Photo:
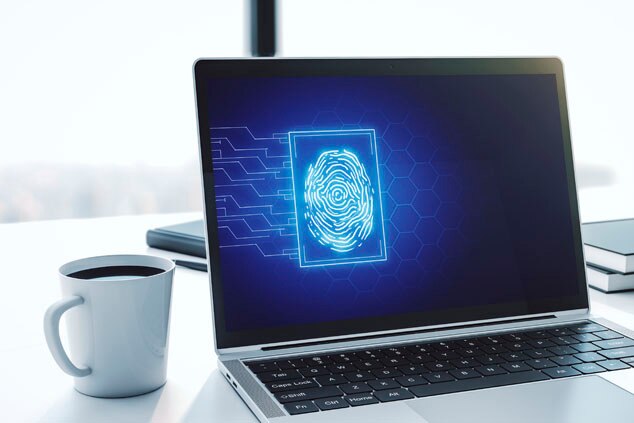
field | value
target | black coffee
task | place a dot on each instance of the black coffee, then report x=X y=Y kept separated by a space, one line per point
x=116 y=272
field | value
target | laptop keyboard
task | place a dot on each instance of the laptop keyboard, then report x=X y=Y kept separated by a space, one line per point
x=312 y=383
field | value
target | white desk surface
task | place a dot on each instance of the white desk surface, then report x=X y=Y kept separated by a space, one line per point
x=33 y=388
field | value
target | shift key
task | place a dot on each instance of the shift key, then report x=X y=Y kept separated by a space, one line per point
x=618 y=353
x=279 y=375
x=308 y=394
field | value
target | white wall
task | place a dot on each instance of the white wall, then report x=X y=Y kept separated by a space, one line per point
x=105 y=88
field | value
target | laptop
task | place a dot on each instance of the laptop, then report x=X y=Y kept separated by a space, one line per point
x=399 y=240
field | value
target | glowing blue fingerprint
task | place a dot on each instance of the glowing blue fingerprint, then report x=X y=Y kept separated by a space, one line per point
x=339 y=201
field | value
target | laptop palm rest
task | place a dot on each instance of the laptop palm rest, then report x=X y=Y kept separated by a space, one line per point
x=578 y=400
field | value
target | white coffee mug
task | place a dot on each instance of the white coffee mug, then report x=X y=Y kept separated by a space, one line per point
x=117 y=315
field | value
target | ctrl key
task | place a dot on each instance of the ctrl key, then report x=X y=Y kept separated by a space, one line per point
x=330 y=403
x=301 y=407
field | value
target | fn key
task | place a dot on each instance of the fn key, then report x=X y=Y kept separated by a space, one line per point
x=301 y=407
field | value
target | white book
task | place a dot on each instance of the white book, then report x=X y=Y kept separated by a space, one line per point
x=610 y=244
x=608 y=281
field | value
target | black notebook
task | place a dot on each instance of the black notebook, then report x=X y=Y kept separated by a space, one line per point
x=186 y=238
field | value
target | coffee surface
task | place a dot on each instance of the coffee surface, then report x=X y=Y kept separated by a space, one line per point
x=115 y=272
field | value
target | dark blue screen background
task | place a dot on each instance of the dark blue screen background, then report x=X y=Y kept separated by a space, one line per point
x=473 y=187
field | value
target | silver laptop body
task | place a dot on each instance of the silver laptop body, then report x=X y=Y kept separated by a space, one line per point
x=233 y=361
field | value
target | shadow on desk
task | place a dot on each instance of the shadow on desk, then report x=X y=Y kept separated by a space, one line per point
x=216 y=401
x=76 y=407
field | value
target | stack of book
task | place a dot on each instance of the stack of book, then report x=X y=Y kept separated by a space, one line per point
x=609 y=252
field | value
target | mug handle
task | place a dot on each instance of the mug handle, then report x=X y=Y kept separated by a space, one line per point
x=51 y=332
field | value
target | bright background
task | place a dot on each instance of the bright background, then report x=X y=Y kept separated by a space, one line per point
x=97 y=105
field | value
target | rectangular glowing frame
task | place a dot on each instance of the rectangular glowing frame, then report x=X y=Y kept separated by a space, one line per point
x=382 y=256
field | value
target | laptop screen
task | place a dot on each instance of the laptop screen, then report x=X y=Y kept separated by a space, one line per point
x=344 y=204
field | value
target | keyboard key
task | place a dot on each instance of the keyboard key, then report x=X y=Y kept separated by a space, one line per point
x=587 y=327
x=464 y=373
x=542 y=343
x=561 y=332
x=540 y=363
x=414 y=369
x=465 y=363
x=618 y=353
x=614 y=343
x=490 y=359
x=444 y=346
x=514 y=356
x=538 y=334
x=279 y=375
x=419 y=358
x=361 y=399
x=374 y=364
x=317 y=361
x=394 y=352
x=263 y=367
x=445 y=355
x=420 y=349
x=515 y=337
x=301 y=407
x=370 y=355
x=291 y=385
x=490 y=370
x=308 y=394
x=290 y=364
x=559 y=372
x=608 y=334
x=539 y=353
x=516 y=367
x=565 y=360
x=585 y=347
x=331 y=380
x=355 y=388
x=493 y=349
x=613 y=365
x=586 y=337
x=491 y=340
x=438 y=366
x=341 y=368
x=628 y=360
x=470 y=352
x=589 y=357
x=383 y=373
x=565 y=350
x=314 y=371
x=359 y=376
x=518 y=346
x=381 y=384
x=564 y=340
x=331 y=403
x=468 y=343
x=344 y=358
x=393 y=395
x=438 y=377
x=477 y=383
x=392 y=362
x=588 y=368
x=413 y=380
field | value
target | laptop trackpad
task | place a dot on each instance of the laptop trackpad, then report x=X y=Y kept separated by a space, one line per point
x=584 y=399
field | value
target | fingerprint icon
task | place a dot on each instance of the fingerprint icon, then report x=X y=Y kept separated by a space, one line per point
x=339 y=201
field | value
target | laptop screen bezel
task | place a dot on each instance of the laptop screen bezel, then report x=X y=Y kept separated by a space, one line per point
x=206 y=69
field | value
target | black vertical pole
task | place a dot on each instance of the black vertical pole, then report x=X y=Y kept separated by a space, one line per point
x=263 y=28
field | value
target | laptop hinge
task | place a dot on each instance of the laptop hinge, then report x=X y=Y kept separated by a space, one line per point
x=423 y=331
